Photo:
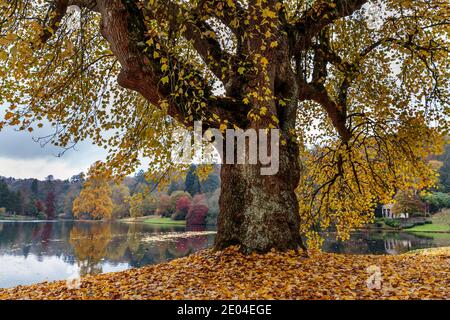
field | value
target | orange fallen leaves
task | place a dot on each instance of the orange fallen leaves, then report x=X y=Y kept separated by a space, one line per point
x=230 y=275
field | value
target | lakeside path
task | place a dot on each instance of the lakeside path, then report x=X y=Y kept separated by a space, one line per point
x=424 y=274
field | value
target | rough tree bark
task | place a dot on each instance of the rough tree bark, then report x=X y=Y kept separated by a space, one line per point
x=260 y=212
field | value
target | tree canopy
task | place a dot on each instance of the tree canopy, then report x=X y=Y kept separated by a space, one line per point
x=362 y=86
x=95 y=197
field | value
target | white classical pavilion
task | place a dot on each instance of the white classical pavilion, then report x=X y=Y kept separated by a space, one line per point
x=386 y=211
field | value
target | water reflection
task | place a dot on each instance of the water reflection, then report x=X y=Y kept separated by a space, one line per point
x=394 y=246
x=90 y=245
x=378 y=242
x=40 y=251
x=37 y=251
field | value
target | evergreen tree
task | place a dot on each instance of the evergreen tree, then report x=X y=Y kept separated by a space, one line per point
x=35 y=188
x=192 y=181
x=9 y=200
x=211 y=184
x=17 y=202
x=4 y=195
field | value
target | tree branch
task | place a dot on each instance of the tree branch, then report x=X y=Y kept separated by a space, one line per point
x=124 y=28
x=316 y=91
x=56 y=12
x=199 y=32
x=335 y=112
x=229 y=15
x=318 y=17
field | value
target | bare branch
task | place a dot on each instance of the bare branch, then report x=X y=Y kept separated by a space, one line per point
x=321 y=14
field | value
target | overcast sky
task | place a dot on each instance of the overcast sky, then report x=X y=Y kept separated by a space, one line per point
x=22 y=157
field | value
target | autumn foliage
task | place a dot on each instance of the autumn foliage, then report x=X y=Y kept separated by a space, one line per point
x=359 y=90
x=408 y=202
x=40 y=207
x=182 y=208
x=50 y=209
x=198 y=211
x=164 y=208
x=94 y=200
x=231 y=275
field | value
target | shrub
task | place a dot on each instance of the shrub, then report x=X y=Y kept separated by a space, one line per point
x=197 y=215
x=198 y=211
x=41 y=216
x=177 y=195
x=417 y=214
x=164 y=209
x=182 y=208
x=2 y=211
x=392 y=223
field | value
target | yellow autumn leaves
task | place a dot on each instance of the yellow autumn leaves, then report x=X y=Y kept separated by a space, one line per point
x=230 y=275
x=94 y=201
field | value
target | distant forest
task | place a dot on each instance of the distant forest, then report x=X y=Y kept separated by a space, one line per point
x=180 y=199
x=54 y=198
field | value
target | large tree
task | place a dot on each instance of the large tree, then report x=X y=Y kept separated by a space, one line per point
x=353 y=85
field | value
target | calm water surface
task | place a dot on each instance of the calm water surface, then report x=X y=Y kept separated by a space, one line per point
x=37 y=251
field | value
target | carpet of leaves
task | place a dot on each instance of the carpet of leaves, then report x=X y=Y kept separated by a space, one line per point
x=230 y=275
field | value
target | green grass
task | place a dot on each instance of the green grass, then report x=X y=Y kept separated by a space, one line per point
x=442 y=217
x=431 y=228
x=441 y=223
x=16 y=217
x=437 y=237
x=165 y=221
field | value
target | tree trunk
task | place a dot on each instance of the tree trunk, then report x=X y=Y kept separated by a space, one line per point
x=260 y=212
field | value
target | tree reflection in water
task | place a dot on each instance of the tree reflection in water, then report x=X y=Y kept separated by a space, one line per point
x=378 y=242
x=45 y=250
x=90 y=245
x=46 y=235
x=96 y=243
x=134 y=236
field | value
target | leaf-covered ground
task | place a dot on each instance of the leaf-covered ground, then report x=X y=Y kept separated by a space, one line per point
x=231 y=275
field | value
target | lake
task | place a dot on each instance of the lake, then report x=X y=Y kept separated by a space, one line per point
x=36 y=251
